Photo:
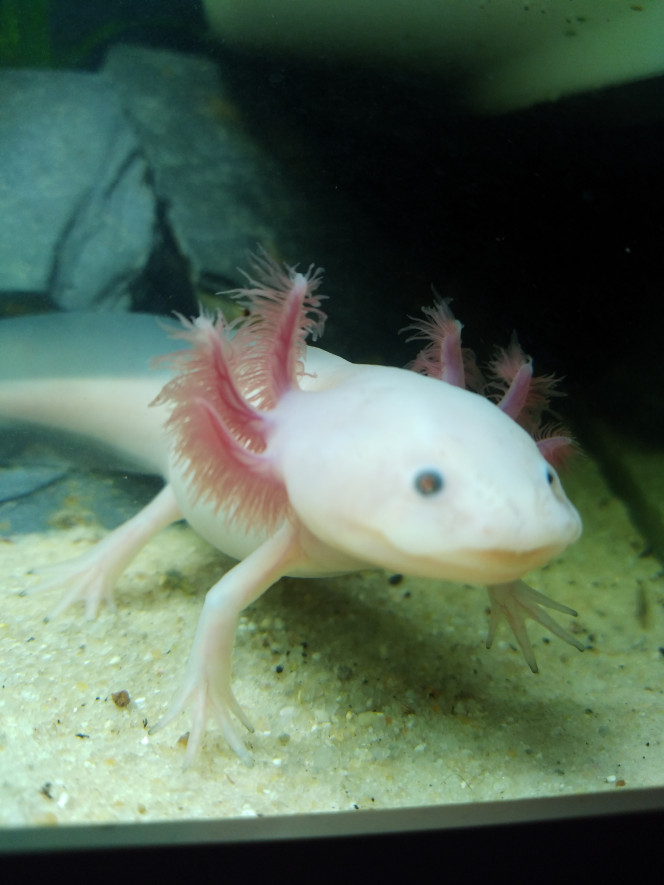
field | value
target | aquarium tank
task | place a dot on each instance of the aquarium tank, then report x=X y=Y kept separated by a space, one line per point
x=250 y=508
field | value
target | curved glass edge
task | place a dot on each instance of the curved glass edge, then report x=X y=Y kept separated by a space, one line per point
x=332 y=824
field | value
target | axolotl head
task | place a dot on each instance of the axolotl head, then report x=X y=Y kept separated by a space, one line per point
x=415 y=475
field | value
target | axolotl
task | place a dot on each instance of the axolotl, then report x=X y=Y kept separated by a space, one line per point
x=297 y=462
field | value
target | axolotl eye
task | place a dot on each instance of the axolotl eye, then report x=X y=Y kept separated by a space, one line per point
x=554 y=483
x=428 y=482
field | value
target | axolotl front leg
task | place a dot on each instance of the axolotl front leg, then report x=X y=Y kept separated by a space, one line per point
x=206 y=687
x=516 y=601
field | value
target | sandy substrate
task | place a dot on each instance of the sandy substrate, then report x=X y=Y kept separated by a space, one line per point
x=364 y=693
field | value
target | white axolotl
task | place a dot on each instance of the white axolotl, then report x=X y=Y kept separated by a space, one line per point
x=297 y=462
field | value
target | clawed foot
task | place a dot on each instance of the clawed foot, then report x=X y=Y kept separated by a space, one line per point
x=92 y=576
x=517 y=601
x=88 y=577
x=206 y=699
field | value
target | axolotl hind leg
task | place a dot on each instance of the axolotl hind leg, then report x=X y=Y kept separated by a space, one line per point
x=517 y=601
x=91 y=577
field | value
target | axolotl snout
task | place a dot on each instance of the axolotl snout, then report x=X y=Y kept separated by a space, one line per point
x=297 y=462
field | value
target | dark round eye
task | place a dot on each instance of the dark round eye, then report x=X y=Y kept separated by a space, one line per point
x=428 y=482
x=551 y=476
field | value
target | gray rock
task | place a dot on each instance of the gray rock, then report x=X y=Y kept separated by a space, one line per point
x=76 y=211
x=18 y=480
x=219 y=190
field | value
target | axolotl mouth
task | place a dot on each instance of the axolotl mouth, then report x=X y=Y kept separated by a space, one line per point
x=495 y=563
x=497 y=566
x=494 y=566
x=473 y=565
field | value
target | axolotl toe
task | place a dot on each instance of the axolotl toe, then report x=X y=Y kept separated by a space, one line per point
x=297 y=462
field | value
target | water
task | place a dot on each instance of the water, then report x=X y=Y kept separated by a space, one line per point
x=145 y=156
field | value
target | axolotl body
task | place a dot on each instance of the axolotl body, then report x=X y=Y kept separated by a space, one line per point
x=297 y=462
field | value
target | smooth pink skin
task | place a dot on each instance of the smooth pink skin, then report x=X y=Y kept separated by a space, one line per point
x=500 y=513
